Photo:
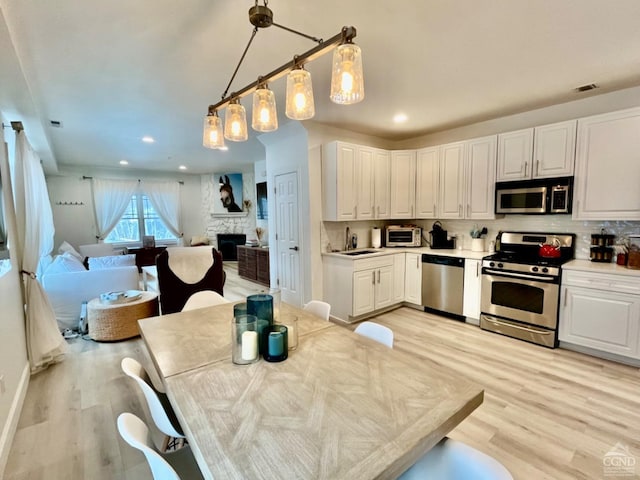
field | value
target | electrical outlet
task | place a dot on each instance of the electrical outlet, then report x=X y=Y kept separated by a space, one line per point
x=2 y=388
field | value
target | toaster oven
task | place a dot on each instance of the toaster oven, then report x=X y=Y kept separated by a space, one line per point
x=403 y=236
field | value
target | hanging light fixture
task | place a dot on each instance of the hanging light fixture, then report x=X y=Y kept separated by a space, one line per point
x=213 y=137
x=264 y=117
x=347 y=86
x=235 y=122
x=300 y=105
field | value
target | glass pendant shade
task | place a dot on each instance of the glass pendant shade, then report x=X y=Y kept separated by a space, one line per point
x=347 y=83
x=300 y=104
x=235 y=122
x=264 y=116
x=212 y=134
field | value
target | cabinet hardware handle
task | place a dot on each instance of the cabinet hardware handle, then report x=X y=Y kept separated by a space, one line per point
x=373 y=210
x=565 y=297
x=460 y=210
x=378 y=210
x=373 y=279
x=378 y=276
x=434 y=208
x=477 y=269
x=411 y=210
x=537 y=167
x=418 y=261
x=525 y=168
x=468 y=210
x=355 y=211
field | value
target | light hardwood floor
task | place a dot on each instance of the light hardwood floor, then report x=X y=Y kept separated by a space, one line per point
x=547 y=414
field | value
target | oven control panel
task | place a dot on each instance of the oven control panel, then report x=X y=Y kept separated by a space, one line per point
x=520 y=267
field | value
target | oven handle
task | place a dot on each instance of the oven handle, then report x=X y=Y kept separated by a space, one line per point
x=519 y=275
x=526 y=329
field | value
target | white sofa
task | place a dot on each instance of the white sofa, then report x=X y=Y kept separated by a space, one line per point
x=67 y=290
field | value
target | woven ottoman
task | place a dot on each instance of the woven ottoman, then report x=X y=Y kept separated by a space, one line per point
x=110 y=322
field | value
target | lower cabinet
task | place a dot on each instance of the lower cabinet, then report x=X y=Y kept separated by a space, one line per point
x=253 y=264
x=472 y=283
x=413 y=278
x=601 y=312
x=372 y=289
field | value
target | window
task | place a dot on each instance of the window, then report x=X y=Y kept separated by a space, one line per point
x=138 y=220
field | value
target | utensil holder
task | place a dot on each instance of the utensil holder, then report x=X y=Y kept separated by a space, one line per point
x=477 y=244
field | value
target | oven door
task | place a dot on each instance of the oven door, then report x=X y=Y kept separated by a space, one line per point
x=518 y=296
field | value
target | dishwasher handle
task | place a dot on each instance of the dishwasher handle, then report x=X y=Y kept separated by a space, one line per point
x=442 y=260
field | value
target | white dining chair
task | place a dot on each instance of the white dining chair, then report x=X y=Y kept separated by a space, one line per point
x=377 y=332
x=454 y=460
x=176 y=465
x=158 y=404
x=204 y=298
x=319 y=308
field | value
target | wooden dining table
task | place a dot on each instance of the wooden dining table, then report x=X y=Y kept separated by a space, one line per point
x=342 y=406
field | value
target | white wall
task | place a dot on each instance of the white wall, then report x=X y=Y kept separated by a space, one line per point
x=76 y=223
x=14 y=367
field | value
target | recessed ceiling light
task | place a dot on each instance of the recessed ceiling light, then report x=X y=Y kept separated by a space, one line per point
x=147 y=139
x=399 y=118
x=182 y=167
x=124 y=162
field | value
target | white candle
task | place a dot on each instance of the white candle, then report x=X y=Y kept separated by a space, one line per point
x=249 y=345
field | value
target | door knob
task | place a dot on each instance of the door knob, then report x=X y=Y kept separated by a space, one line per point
x=294 y=248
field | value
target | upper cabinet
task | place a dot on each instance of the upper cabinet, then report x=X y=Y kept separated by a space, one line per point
x=451 y=195
x=540 y=152
x=427 y=178
x=403 y=183
x=355 y=182
x=608 y=167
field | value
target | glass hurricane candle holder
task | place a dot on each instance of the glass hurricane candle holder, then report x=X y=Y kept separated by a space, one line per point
x=244 y=339
x=291 y=322
x=261 y=305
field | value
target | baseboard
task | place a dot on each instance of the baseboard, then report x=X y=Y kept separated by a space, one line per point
x=11 y=425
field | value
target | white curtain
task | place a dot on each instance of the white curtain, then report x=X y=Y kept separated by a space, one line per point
x=165 y=198
x=110 y=200
x=45 y=345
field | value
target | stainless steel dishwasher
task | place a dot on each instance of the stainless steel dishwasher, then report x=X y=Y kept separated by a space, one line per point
x=443 y=283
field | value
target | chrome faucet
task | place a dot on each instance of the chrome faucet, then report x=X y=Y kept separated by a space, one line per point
x=347 y=242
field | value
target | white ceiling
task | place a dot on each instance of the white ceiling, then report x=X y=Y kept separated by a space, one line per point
x=114 y=71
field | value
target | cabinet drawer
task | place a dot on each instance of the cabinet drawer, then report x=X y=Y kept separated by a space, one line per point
x=369 y=263
x=602 y=281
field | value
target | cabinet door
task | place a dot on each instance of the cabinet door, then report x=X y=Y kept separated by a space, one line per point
x=451 y=197
x=364 y=285
x=608 y=167
x=471 y=296
x=515 y=151
x=481 y=178
x=339 y=185
x=365 y=171
x=554 y=149
x=398 y=277
x=382 y=181
x=384 y=287
x=601 y=320
x=403 y=183
x=413 y=278
x=427 y=168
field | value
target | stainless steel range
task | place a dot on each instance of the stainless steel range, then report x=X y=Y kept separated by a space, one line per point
x=521 y=285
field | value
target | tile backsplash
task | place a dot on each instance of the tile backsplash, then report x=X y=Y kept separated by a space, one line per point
x=333 y=233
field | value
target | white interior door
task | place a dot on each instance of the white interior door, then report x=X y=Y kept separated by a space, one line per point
x=287 y=238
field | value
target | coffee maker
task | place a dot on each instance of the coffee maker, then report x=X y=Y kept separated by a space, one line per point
x=438 y=237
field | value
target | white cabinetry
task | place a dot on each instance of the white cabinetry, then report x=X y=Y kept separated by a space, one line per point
x=540 y=152
x=471 y=297
x=355 y=182
x=554 y=150
x=608 y=167
x=398 y=277
x=427 y=173
x=372 y=284
x=403 y=183
x=451 y=197
x=601 y=312
x=413 y=278
x=514 y=155
x=467 y=179
x=480 y=178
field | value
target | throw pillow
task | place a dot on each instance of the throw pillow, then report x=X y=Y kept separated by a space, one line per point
x=66 y=247
x=100 y=263
x=65 y=263
x=199 y=240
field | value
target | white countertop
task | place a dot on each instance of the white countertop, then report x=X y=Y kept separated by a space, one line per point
x=390 y=251
x=598 y=267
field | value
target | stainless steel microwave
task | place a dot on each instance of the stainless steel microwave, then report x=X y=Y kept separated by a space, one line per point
x=541 y=196
x=403 y=236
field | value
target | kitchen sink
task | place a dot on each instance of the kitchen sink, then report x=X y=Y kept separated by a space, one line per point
x=358 y=252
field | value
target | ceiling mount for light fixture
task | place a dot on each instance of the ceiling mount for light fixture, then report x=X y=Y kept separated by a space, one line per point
x=347 y=85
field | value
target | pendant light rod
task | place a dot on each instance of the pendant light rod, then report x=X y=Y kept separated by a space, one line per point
x=346 y=35
x=246 y=49
x=315 y=39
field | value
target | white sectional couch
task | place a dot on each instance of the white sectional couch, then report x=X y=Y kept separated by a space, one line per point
x=68 y=283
